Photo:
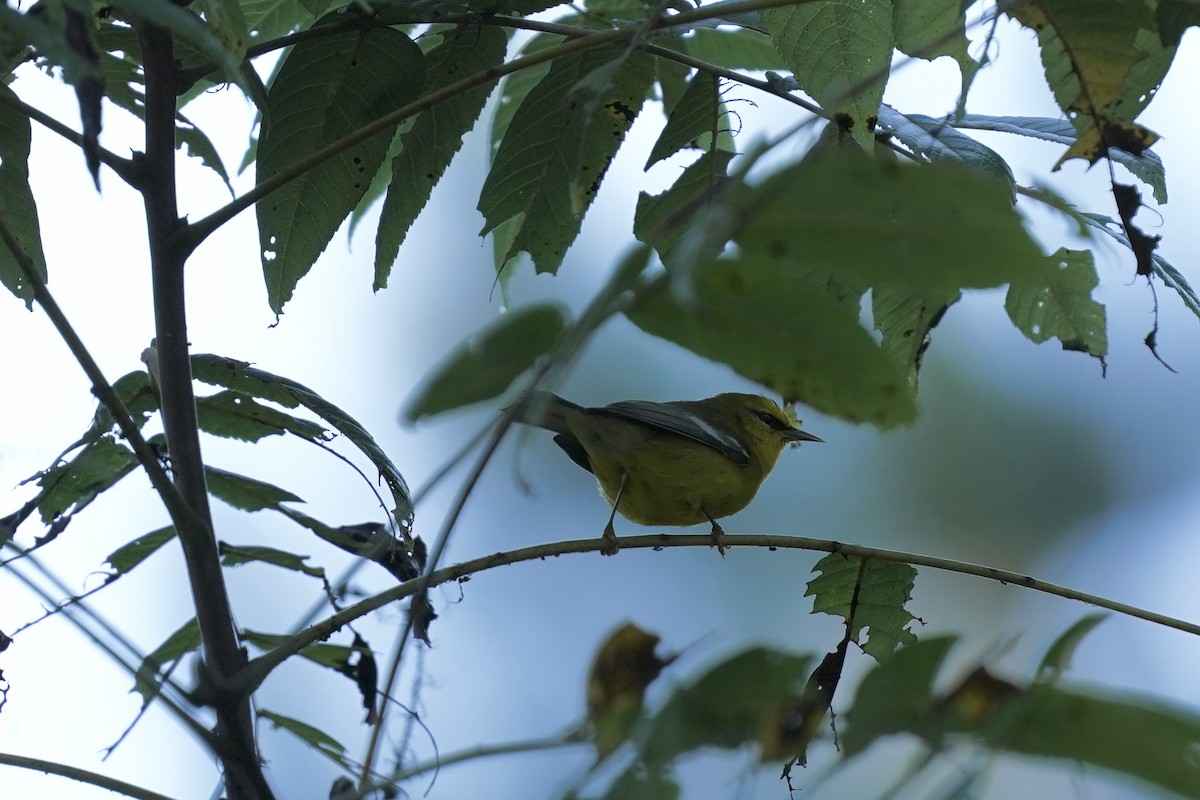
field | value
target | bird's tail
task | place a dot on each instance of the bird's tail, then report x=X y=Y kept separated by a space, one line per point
x=545 y=410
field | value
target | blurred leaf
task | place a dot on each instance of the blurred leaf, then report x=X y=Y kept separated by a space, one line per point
x=192 y=30
x=640 y=783
x=129 y=555
x=184 y=640
x=1146 y=167
x=931 y=28
x=733 y=704
x=840 y=52
x=325 y=90
x=488 y=362
x=236 y=555
x=740 y=312
x=245 y=493
x=736 y=48
x=332 y=656
x=267 y=19
x=239 y=416
x=17 y=206
x=622 y=669
x=227 y=21
x=315 y=738
x=559 y=145
x=870 y=596
x=896 y=697
x=1060 y=304
x=1058 y=656
x=662 y=220
x=240 y=376
x=436 y=135
x=1175 y=17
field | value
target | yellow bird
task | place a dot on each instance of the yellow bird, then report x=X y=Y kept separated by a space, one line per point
x=677 y=463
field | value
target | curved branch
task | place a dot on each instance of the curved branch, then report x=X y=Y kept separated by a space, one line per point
x=81 y=775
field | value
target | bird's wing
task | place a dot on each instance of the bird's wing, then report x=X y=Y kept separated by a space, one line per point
x=679 y=421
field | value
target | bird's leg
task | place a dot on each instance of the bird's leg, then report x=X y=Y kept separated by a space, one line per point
x=610 y=546
x=718 y=533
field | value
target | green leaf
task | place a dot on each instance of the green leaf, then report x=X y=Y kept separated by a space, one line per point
x=326 y=89
x=936 y=140
x=897 y=696
x=129 y=555
x=238 y=416
x=192 y=30
x=241 y=377
x=697 y=113
x=228 y=23
x=183 y=641
x=430 y=144
x=195 y=142
x=267 y=19
x=737 y=48
x=1132 y=736
x=931 y=28
x=558 y=146
x=487 y=363
x=315 y=738
x=332 y=656
x=869 y=595
x=938 y=226
x=1103 y=61
x=1059 y=304
x=905 y=318
x=740 y=311
x=246 y=494
x=1175 y=17
x=1147 y=167
x=17 y=206
x=1058 y=656
x=516 y=87
x=840 y=52
x=236 y=555
x=663 y=220
x=76 y=483
x=733 y=704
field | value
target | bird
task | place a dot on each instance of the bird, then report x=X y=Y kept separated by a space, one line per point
x=669 y=463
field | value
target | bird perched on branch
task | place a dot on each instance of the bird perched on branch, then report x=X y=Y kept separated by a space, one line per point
x=677 y=463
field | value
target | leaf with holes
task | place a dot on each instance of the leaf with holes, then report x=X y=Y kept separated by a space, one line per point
x=869 y=595
x=326 y=90
x=1060 y=305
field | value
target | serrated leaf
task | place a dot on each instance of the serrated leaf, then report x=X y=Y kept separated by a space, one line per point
x=315 y=738
x=332 y=656
x=325 y=90
x=236 y=555
x=733 y=704
x=904 y=319
x=868 y=596
x=17 y=206
x=936 y=140
x=129 y=555
x=246 y=494
x=186 y=639
x=1147 y=167
x=840 y=52
x=195 y=143
x=72 y=485
x=1103 y=60
x=267 y=19
x=1058 y=656
x=238 y=416
x=740 y=310
x=516 y=87
x=241 y=377
x=698 y=112
x=1060 y=304
x=487 y=363
x=558 y=147
x=436 y=135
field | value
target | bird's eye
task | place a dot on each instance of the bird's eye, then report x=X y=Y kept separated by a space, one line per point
x=767 y=419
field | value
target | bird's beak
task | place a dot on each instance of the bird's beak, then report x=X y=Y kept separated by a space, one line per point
x=797 y=435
